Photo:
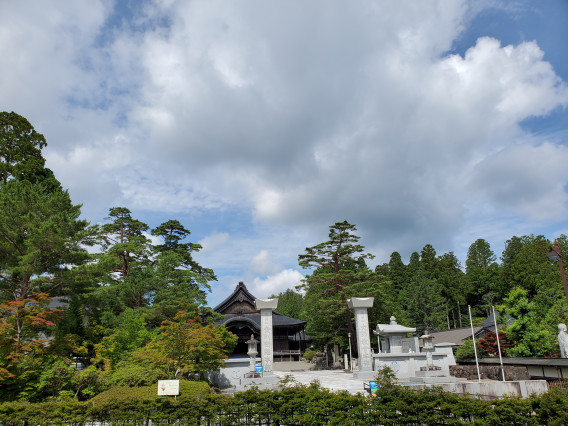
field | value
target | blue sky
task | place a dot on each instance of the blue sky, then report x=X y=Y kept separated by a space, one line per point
x=259 y=124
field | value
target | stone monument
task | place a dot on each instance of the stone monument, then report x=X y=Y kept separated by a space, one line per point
x=265 y=306
x=360 y=306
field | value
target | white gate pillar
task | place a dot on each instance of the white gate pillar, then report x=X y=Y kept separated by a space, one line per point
x=266 y=336
x=360 y=306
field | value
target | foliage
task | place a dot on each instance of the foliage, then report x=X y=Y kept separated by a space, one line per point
x=340 y=267
x=424 y=304
x=386 y=378
x=20 y=152
x=290 y=303
x=466 y=352
x=531 y=334
x=296 y=404
x=22 y=350
x=185 y=346
x=489 y=345
x=309 y=354
x=136 y=372
x=129 y=334
x=40 y=237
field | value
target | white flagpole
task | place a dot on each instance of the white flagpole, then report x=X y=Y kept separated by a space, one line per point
x=498 y=344
x=473 y=340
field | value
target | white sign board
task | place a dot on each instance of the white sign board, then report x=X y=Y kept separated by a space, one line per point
x=168 y=387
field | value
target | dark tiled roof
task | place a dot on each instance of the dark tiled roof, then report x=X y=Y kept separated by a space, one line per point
x=241 y=293
x=456 y=335
x=278 y=320
x=489 y=322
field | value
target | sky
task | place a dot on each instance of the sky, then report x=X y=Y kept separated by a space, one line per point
x=259 y=124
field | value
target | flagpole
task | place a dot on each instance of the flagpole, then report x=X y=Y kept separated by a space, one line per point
x=498 y=344
x=473 y=340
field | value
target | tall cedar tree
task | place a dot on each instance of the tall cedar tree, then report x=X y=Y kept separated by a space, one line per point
x=338 y=263
x=41 y=241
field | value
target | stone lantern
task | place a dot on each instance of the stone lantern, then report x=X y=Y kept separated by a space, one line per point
x=252 y=351
x=428 y=348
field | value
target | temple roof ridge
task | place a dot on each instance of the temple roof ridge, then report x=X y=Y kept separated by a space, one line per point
x=240 y=294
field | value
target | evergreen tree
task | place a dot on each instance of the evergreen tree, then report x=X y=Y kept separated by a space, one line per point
x=340 y=265
x=20 y=152
x=179 y=282
x=428 y=261
x=41 y=248
x=482 y=277
x=397 y=273
x=450 y=279
x=423 y=302
x=290 y=303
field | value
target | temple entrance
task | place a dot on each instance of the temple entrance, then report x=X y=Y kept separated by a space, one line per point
x=243 y=331
x=243 y=319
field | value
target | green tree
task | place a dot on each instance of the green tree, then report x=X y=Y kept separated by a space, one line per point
x=397 y=273
x=129 y=334
x=185 y=346
x=450 y=279
x=423 y=301
x=531 y=334
x=340 y=265
x=428 y=261
x=41 y=250
x=40 y=239
x=124 y=242
x=179 y=282
x=413 y=263
x=479 y=255
x=20 y=152
x=290 y=303
x=483 y=277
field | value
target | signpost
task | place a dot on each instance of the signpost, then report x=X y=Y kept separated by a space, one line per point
x=168 y=387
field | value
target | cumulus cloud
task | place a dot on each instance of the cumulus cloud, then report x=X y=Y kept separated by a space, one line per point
x=213 y=241
x=261 y=263
x=277 y=283
x=298 y=116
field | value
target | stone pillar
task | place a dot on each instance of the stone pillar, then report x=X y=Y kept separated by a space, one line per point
x=266 y=337
x=360 y=306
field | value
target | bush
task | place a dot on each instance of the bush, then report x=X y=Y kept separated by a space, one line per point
x=299 y=404
x=309 y=354
x=466 y=352
x=135 y=375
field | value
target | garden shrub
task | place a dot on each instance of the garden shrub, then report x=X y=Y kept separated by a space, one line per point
x=309 y=354
x=294 y=405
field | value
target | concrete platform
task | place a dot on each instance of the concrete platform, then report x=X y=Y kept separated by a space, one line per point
x=334 y=380
x=339 y=380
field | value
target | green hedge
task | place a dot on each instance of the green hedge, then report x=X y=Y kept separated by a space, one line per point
x=297 y=405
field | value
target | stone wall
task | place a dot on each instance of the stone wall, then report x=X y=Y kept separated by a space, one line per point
x=491 y=390
x=489 y=372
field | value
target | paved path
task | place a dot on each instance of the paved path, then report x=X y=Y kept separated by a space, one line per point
x=334 y=380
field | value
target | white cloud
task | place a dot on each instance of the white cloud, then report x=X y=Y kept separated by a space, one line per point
x=298 y=117
x=261 y=263
x=214 y=241
x=274 y=284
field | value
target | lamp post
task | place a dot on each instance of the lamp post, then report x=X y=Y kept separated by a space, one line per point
x=350 y=357
x=554 y=254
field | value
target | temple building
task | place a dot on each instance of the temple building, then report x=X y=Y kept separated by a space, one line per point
x=242 y=319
